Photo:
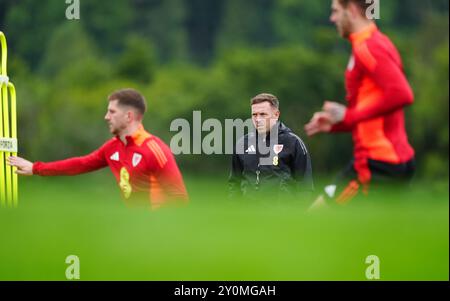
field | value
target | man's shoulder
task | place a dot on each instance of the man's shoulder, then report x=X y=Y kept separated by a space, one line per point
x=294 y=140
x=155 y=140
x=378 y=46
x=243 y=142
x=246 y=137
x=156 y=146
x=109 y=147
x=112 y=142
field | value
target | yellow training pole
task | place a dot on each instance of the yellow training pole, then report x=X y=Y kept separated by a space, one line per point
x=6 y=134
x=4 y=53
x=2 y=155
x=15 y=182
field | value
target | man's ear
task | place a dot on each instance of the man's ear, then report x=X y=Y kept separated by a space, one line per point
x=130 y=116
x=355 y=10
x=135 y=116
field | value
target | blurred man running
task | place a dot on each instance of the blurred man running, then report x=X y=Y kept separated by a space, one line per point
x=144 y=166
x=377 y=92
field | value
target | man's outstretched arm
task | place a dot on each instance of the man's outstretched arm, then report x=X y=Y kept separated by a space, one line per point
x=68 y=167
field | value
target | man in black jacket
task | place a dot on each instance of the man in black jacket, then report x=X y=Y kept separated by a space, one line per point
x=272 y=162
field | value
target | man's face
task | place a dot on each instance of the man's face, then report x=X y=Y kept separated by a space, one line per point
x=340 y=16
x=118 y=117
x=264 y=116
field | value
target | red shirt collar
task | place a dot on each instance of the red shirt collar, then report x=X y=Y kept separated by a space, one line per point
x=139 y=136
x=361 y=36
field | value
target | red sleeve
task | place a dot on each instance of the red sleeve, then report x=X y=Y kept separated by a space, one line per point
x=168 y=176
x=341 y=127
x=388 y=76
x=72 y=166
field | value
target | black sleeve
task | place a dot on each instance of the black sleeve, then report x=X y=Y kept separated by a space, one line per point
x=235 y=179
x=302 y=169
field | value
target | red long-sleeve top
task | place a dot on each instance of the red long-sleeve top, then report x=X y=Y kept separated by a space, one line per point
x=377 y=92
x=144 y=166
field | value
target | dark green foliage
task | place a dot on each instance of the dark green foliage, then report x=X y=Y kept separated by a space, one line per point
x=211 y=56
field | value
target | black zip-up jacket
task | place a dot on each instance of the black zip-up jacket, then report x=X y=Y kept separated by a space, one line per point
x=288 y=172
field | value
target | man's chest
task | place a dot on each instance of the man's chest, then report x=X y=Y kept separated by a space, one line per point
x=133 y=159
x=271 y=156
x=354 y=76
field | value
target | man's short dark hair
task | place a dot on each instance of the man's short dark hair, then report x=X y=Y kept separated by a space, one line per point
x=362 y=4
x=272 y=99
x=131 y=98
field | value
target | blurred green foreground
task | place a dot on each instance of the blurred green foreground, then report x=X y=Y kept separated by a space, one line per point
x=213 y=239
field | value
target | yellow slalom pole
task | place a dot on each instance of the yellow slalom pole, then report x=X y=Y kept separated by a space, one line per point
x=15 y=182
x=6 y=134
x=2 y=155
x=4 y=53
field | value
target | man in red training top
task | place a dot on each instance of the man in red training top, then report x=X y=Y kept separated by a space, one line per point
x=377 y=92
x=143 y=165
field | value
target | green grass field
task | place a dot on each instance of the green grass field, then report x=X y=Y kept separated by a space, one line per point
x=212 y=239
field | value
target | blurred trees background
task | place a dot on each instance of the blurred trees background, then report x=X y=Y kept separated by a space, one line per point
x=213 y=56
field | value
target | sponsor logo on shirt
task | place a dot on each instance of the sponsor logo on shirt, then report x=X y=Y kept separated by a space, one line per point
x=251 y=149
x=115 y=156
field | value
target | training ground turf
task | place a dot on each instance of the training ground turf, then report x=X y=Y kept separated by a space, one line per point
x=213 y=239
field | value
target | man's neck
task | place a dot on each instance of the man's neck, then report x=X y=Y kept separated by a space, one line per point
x=128 y=132
x=361 y=25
